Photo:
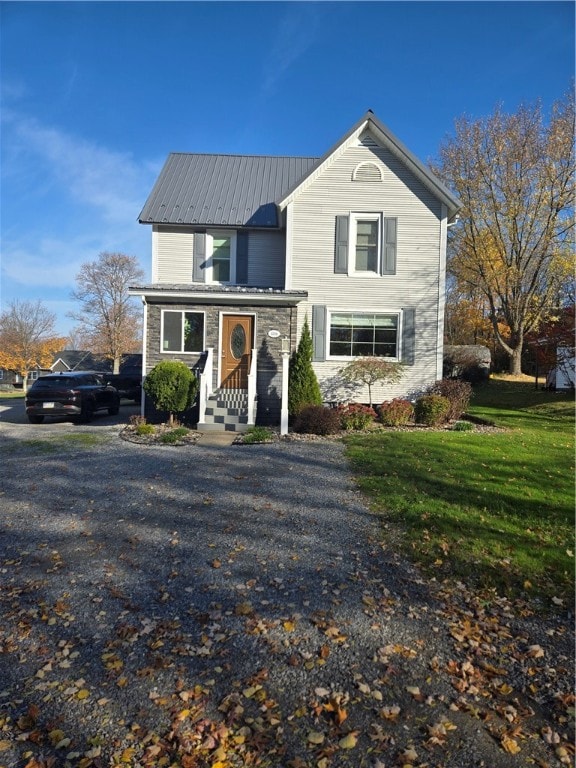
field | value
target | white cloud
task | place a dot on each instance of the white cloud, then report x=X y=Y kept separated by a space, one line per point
x=296 y=33
x=65 y=200
x=111 y=182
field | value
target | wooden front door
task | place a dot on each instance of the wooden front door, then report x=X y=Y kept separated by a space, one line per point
x=237 y=340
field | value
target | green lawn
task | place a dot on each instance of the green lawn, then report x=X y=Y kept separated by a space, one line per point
x=494 y=509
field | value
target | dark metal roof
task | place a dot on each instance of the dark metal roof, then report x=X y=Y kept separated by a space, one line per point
x=222 y=190
x=225 y=294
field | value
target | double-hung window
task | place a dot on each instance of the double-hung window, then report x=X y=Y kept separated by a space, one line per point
x=366 y=233
x=366 y=244
x=182 y=331
x=222 y=258
x=368 y=334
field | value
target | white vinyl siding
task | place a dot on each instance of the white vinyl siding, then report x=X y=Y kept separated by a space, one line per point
x=174 y=255
x=418 y=277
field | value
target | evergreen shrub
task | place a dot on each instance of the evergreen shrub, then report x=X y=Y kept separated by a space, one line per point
x=172 y=387
x=431 y=410
x=303 y=387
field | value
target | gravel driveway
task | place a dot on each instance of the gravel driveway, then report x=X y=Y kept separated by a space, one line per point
x=197 y=606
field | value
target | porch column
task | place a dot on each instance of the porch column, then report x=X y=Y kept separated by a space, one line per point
x=284 y=407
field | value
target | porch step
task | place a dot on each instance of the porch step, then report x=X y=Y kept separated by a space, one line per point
x=226 y=411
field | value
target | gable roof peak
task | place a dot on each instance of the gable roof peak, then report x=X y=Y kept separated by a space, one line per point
x=387 y=139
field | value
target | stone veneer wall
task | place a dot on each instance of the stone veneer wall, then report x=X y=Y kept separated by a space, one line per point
x=281 y=318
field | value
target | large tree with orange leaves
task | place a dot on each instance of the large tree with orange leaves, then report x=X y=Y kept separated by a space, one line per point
x=27 y=338
x=513 y=244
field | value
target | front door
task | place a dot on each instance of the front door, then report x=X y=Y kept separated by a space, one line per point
x=237 y=340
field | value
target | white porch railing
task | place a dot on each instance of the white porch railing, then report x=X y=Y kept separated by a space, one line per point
x=252 y=388
x=206 y=387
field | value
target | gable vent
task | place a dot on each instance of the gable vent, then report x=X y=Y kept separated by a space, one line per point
x=366 y=140
x=367 y=172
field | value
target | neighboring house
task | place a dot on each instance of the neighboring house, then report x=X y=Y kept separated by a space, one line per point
x=13 y=380
x=563 y=376
x=76 y=360
x=244 y=248
x=81 y=360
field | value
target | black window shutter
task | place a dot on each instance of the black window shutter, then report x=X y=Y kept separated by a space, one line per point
x=242 y=258
x=199 y=265
x=318 y=333
x=341 y=247
x=389 y=250
x=408 y=336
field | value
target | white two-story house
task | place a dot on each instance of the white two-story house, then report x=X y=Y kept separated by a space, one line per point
x=244 y=248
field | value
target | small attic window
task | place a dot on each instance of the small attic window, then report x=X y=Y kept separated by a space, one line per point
x=367 y=172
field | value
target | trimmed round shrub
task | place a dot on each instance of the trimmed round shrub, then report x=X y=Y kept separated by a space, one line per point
x=172 y=387
x=431 y=410
x=317 y=420
x=457 y=392
x=396 y=413
x=355 y=416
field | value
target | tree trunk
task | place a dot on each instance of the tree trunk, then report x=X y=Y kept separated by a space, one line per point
x=515 y=367
x=116 y=365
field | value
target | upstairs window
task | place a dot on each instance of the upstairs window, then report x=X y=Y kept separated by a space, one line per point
x=221 y=258
x=367 y=247
x=366 y=244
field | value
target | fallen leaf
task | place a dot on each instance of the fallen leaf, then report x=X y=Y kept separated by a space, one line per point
x=349 y=741
x=510 y=745
x=315 y=737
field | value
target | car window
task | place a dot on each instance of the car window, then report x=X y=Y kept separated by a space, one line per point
x=53 y=383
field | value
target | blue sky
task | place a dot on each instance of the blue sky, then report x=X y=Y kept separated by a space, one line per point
x=95 y=95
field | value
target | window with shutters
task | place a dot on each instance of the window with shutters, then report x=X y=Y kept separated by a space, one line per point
x=365 y=244
x=221 y=257
x=182 y=331
x=368 y=334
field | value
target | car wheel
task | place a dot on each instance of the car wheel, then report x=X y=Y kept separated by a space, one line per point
x=87 y=413
x=114 y=410
x=35 y=419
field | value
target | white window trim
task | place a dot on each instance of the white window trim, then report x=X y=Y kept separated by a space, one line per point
x=182 y=351
x=210 y=235
x=352 y=235
x=364 y=311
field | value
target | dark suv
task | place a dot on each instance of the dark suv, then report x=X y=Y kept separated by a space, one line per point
x=78 y=394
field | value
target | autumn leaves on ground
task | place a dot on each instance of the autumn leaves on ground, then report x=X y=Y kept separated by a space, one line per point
x=214 y=608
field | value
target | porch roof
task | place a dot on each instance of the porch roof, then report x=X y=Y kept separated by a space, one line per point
x=217 y=294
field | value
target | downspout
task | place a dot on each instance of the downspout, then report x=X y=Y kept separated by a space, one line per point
x=441 y=291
